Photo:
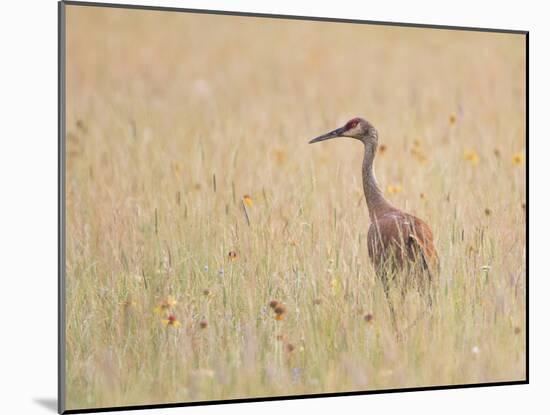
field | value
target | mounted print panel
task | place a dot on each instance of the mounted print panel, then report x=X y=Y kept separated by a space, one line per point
x=259 y=207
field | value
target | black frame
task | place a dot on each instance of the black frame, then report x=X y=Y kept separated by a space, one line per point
x=61 y=206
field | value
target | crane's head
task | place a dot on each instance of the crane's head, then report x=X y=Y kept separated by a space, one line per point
x=358 y=128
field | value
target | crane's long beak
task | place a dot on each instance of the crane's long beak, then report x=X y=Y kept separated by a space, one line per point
x=333 y=134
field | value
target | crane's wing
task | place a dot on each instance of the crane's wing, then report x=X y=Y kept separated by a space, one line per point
x=417 y=249
x=403 y=236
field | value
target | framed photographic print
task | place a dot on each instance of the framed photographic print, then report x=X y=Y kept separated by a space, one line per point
x=259 y=207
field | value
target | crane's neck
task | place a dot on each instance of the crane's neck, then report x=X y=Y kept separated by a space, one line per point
x=376 y=202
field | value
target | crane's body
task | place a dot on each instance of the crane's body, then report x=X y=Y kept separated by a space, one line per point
x=397 y=241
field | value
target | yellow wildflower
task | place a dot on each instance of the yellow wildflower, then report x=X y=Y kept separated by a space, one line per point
x=165 y=305
x=472 y=157
x=171 y=321
x=392 y=189
x=280 y=156
x=247 y=199
x=518 y=158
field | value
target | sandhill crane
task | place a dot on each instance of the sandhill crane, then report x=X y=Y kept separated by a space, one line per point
x=397 y=241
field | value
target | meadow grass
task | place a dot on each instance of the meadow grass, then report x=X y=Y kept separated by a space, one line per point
x=173 y=118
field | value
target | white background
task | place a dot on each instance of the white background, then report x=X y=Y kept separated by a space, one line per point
x=28 y=204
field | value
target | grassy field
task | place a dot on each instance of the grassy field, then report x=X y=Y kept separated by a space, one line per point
x=193 y=200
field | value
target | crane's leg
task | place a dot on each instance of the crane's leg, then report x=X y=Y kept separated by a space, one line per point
x=425 y=285
x=386 y=286
x=421 y=268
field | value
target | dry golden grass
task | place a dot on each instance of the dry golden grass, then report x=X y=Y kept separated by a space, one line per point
x=187 y=140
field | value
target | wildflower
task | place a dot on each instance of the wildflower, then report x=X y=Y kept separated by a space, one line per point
x=165 y=305
x=518 y=158
x=247 y=199
x=81 y=126
x=419 y=155
x=203 y=324
x=369 y=318
x=417 y=152
x=233 y=255
x=171 y=321
x=280 y=311
x=280 y=156
x=472 y=157
x=392 y=189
